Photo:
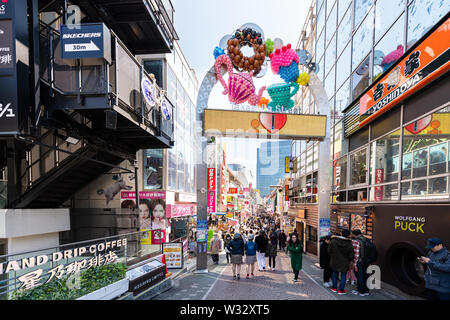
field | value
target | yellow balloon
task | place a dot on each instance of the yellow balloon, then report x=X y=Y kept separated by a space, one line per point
x=303 y=79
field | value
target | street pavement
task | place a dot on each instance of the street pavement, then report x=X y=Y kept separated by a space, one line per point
x=218 y=284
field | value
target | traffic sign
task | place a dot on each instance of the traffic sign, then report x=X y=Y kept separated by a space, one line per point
x=86 y=41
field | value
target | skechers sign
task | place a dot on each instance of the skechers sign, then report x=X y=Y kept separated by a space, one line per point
x=427 y=61
x=89 y=41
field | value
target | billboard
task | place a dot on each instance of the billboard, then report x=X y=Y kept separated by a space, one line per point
x=264 y=125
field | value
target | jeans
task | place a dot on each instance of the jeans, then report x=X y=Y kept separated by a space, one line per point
x=272 y=261
x=437 y=295
x=334 y=277
x=362 y=277
x=326 y=274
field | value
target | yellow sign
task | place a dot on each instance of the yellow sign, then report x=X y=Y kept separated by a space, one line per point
x=229 y=199
x=264 y=125
x=287 y=164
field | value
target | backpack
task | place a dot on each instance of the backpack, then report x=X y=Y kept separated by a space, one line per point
x=368 y=251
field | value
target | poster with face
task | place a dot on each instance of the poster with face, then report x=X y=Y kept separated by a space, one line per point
x=152 y=214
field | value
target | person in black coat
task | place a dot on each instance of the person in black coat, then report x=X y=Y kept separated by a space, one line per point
x=282 y=240
x=325 y=261
x=261 y=242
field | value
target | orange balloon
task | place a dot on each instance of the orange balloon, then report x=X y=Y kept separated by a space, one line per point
x=255 y=123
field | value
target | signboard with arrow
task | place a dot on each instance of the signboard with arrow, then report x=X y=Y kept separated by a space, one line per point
x=86 y=41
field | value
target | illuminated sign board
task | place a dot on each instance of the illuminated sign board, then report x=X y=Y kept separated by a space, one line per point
x=426 y=62
x=264 y=125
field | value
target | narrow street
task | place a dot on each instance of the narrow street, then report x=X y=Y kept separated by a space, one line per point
x=218 y=284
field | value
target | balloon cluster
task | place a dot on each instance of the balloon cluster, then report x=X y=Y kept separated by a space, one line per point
x=253 y=39
x=284 y=62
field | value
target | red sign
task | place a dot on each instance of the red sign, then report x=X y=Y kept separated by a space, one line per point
x=379 y=178
x=211 y=178
x=429 y=60
x=232 y=190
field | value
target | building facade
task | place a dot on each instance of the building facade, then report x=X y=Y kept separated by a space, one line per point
x=385 y=70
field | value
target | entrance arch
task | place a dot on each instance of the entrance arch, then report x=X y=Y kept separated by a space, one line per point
x=324 y=175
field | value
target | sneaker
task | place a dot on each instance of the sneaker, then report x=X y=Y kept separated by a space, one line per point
x=341 y=292
x=334 y=290
x=353 y=282
x=326 y=284
x=355 y=292
x=330 y=284
x=247 y=277
x=253 y=276
x=295 y=280
x=364 y=294
x=234 y=277
x=238 y=277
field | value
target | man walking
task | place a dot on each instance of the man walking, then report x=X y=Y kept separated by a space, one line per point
x=261 y=243
x=341 y=254
x=437 y=276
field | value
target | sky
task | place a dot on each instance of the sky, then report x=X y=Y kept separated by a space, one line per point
x=201 y=24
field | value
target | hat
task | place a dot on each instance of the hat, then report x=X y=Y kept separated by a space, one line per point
x=251 y=236
x=432 y=242
x=237 y=235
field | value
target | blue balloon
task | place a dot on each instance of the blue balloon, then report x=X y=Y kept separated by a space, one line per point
x=218 y=52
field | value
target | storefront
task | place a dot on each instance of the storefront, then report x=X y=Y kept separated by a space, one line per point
x=180 y=219
x=394 y=181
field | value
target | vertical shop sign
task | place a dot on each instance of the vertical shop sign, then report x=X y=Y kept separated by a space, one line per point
x=379 y=178
x=211 y=201
x=211 y=178
x=202 y=228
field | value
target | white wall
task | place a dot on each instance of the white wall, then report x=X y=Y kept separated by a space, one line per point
x=35 y=242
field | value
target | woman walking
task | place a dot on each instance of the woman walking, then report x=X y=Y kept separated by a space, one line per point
x=272 y=251
x=261 y=241
x=236 y=247
x=295 y=248
x=215 y=248
x=227 y=241
x=250 y=256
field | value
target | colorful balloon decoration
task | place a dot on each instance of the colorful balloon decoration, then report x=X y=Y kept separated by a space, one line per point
x=240 y=85
x=218 y=52
x=303 y=79
x=284 y=62
x=281 y=95
x=269 y=46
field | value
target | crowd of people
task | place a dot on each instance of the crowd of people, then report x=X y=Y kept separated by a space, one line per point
x=344 y=258
x=258 y=244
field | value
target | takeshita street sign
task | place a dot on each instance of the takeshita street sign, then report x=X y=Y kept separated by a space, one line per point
x=264 y=125
x=427 y=61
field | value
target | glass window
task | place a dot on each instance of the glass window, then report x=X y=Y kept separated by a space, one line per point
x=361 y=9
x=384 y=193
x=358 y=167
x=172 y=183
x=329 y=83
x=422 y=15
x=153 y=164
x=320 y=73
x=171 y=85
x=331 y=24
x=357 y=195
x=384 y=159
x=341 y=173
x=344 y=31
x=360 y=78
x=320 y=46
x=330 y=55
x=342 y=7
x=330 y=4
x=155 y=67
x=389 y=49
x=426 y=146
x=386 y=12
x=321 y=20
x=343 y=67
x=343 y=98
x=362 y=40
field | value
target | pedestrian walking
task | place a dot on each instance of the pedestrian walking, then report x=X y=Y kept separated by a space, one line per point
x=341 y=254
x=325 y=261
x=236 y=247
x=437 y=275
x=261 y=242
x=227 y=251
x=272 y=251
x=250 y=256
x=282 y=240
x=367 y=255
x=215 y=248
x=295 y=249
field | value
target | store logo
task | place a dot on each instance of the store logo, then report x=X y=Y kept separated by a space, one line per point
x=411 y=224
x=166 y=110
x=6 y=111
x=148 y=91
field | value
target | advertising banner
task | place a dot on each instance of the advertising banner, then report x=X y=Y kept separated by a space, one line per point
x=211 y=202
x=152 y=214
x=379 y=178
x=211 y=178
x=324 y=225
x=427 y=61
x=181 y=210
x=202 y=228
x=263 y=125
x=174 y=254
x=232 y=190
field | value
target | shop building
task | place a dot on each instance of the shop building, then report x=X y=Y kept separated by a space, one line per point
x=384 y=65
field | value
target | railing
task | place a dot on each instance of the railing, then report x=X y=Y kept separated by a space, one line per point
x=120 y=82
x=165 y=17
x=132 y=253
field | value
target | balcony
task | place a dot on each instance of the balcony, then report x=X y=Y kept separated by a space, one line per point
x=146 y=26
x=92 y=89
